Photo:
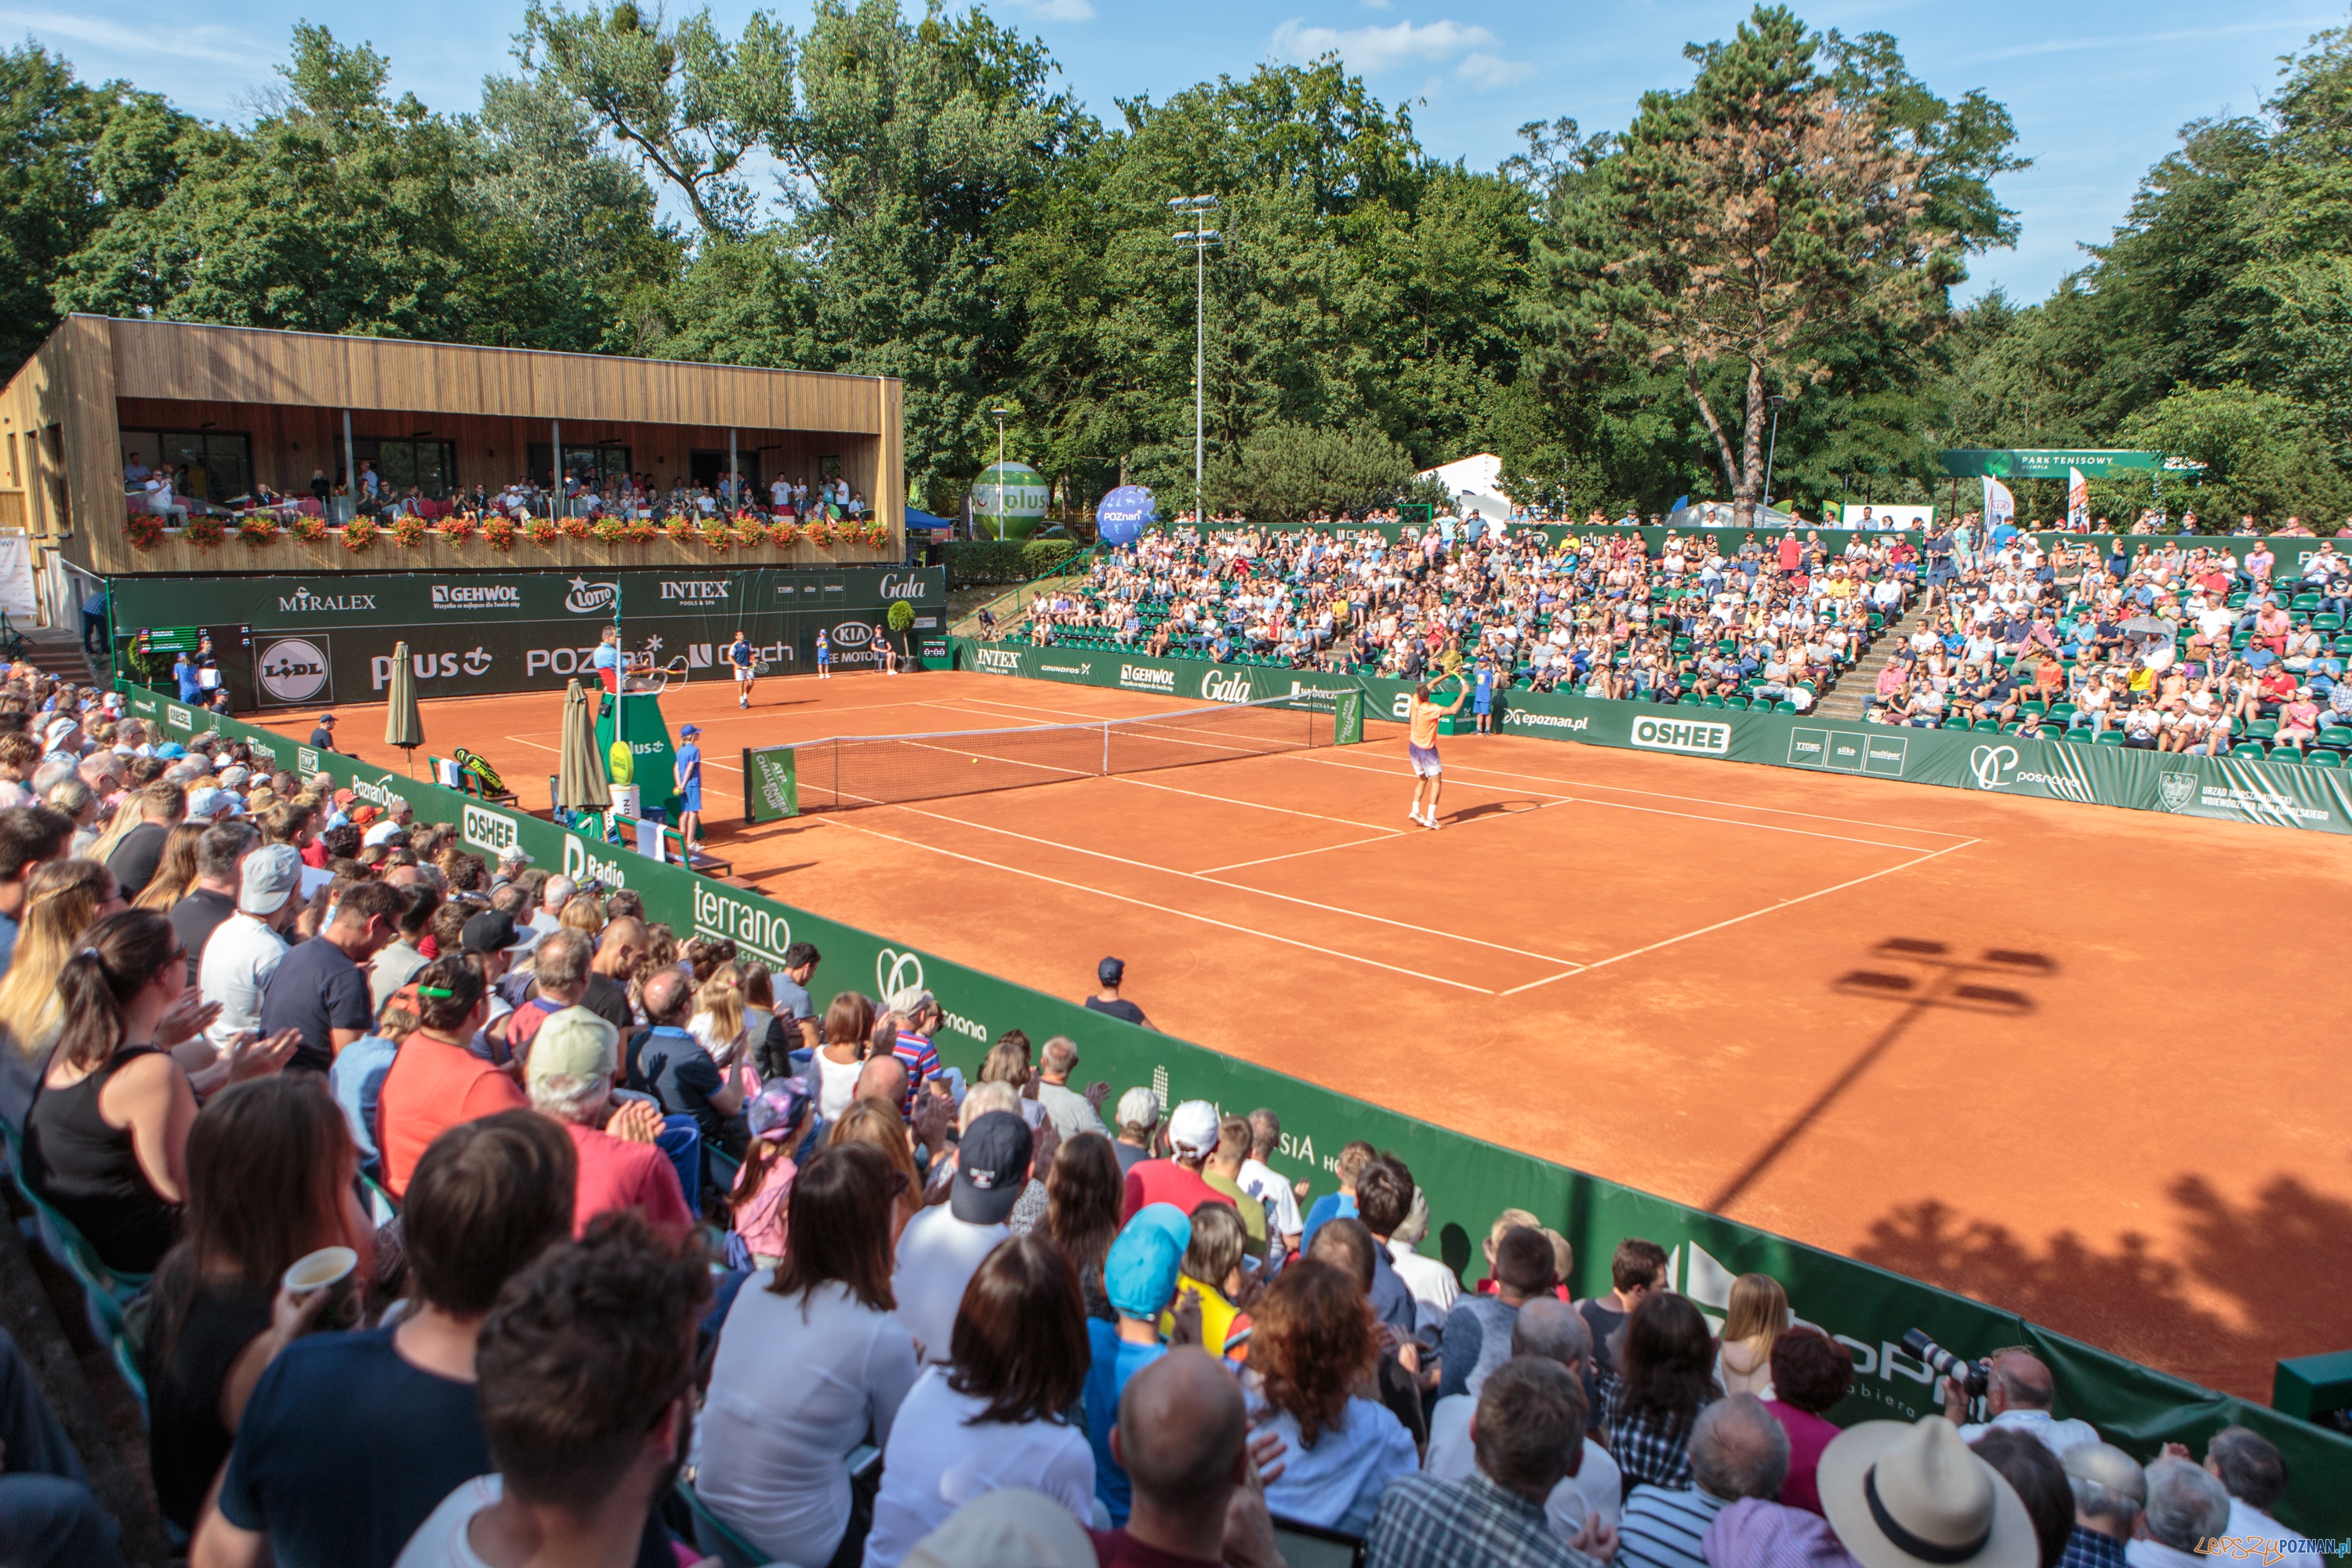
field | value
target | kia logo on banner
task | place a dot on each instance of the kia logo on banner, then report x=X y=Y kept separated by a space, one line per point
x=292 y=670
x=852 y=633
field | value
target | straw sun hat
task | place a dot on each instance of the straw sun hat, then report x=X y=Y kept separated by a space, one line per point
x=1899 y=1496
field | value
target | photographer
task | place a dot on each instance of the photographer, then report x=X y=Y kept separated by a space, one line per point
x=2018 y=1393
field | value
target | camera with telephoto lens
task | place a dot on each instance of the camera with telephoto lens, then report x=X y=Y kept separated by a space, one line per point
x=1973 y=1376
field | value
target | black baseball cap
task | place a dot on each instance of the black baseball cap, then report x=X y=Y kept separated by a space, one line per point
x=1109 y=970
x=992 y=1167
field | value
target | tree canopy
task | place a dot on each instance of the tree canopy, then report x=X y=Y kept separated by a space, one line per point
x=1621 y=315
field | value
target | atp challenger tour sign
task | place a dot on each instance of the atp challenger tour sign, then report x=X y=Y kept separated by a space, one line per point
x=2230 y=789
x=318 y=641
x=1467 y=1181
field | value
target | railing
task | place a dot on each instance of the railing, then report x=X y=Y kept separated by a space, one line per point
x=1007 y=606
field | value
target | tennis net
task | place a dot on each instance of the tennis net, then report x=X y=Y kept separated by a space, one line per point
x=884 y=770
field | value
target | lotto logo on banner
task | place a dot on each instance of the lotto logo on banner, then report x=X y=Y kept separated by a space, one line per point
x=295 y=670
x=1696 y=736
x=489 y=830
x=1143 y=678
x=588 y=599
x=1218 y=688
x=1004 y=660
x=762 y=932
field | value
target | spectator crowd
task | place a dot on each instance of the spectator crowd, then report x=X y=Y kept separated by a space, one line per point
x=456 y=1214
x=1707 y=619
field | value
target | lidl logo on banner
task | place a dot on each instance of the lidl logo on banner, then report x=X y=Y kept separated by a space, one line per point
x=2177 y=790
x=1225 y=688
x=764 y=933
x=178 y=718
x=486 y=829
x=1698 y=736
x=1143 y=678
x=582 y=867
x=1002 y=660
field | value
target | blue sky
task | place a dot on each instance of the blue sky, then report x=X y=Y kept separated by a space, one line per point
x=2098 y=91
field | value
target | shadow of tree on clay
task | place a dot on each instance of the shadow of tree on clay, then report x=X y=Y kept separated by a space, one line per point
x=2283 y=1261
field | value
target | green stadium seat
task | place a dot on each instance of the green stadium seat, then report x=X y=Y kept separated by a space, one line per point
x=2261 y=728
x=2033 y=705
x=1713 y=699
x=2320 y=758
x=1689 y=700
x=1784 y=708
x=2080 y=737
x=2111 y=738
x=2286 y=755
x=2251 y=750
x=1738 y=702
x=1987 y=726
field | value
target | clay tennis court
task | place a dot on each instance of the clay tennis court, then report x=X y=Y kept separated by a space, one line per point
x=2082 y=1063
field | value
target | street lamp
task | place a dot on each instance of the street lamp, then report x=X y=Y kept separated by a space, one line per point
x=1000 y=474
x=1200 y=239
x=1771 y=449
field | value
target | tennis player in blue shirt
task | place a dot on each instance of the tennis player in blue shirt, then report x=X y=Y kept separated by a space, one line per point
x=688 y=769
x=740 y=657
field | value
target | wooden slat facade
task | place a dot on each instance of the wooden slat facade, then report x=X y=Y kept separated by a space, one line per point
x=62 y=415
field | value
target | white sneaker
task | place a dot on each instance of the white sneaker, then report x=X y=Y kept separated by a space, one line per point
x=1430 y=822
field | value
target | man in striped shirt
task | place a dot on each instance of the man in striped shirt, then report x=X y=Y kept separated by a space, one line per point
x=1737 y=1450
x=918 y=1019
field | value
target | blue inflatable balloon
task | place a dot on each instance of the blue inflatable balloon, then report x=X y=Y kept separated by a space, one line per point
x=1124 y=514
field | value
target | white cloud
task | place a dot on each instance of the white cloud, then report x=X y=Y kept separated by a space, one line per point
x=1058 y=10
x=223 y=45
x=1490 y=70
x=1376 y=5
x=1375 y=49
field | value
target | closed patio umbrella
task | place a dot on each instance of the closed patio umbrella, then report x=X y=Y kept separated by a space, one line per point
x=579 y=772
x=402 y=725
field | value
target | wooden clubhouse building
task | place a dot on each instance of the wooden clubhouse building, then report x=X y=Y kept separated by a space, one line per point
x=230 y=407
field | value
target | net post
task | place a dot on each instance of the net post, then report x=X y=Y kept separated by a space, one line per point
x=1106 y=750
x=1348 y=718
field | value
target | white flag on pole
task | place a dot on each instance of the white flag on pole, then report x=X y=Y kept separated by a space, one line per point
x=1999 y=506
x=2078 y=500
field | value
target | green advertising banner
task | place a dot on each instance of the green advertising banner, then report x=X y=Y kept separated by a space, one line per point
x=1467 y=1181
x=772 y=789
x=311 y=642
x=2274 y=793
x=2028 y=463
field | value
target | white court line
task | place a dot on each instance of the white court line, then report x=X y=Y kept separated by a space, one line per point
x=1735 y=920
x=1295 y=854
x=1761 y=826
x=1654 y=794
x=1261 y=805
x=1235 y=887
x=1161 y=909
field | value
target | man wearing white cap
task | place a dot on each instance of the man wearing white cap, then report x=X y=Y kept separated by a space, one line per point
x=60 y=740
x=246 y=949
x=573 y=1056
x=1192 y=1134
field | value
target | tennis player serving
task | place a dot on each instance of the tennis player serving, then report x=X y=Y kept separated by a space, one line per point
x=1420 y=747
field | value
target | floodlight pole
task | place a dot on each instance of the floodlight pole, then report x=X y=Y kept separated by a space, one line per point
x=1200 y=239
x=1000 y=474
x=1771 y=449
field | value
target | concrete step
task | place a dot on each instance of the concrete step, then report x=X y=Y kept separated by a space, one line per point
x=57 y=653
